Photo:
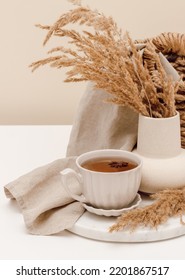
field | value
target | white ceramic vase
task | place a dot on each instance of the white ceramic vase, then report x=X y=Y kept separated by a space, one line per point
x=159 y=146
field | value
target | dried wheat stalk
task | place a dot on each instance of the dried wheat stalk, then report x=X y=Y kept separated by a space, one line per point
x=169 y=203
x=109 y=59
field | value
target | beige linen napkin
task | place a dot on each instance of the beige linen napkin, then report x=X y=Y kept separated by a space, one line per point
x=45 y=205
x=101 y=125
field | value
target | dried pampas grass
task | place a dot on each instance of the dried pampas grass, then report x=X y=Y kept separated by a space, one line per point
x=106 y=56
x=169 y=203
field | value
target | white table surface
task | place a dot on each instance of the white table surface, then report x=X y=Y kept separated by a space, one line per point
x=23 y=148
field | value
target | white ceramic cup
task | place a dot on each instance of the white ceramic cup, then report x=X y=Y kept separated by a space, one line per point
x=105 y=190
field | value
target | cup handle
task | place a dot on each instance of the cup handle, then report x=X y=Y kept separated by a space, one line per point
x=65 y=175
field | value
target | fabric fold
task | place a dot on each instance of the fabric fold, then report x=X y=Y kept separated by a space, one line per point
x=46 y=206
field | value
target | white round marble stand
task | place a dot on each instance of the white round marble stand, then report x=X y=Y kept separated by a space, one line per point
x=97 y=227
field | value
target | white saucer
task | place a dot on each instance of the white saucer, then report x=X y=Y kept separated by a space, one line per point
x=113 y=212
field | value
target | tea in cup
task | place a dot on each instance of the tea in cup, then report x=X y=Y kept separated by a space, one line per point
x=109 y=178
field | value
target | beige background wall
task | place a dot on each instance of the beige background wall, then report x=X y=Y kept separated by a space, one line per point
x=42 y=97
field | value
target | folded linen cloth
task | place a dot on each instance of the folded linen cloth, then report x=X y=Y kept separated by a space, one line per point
x=45 y=205
x=102 y=125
